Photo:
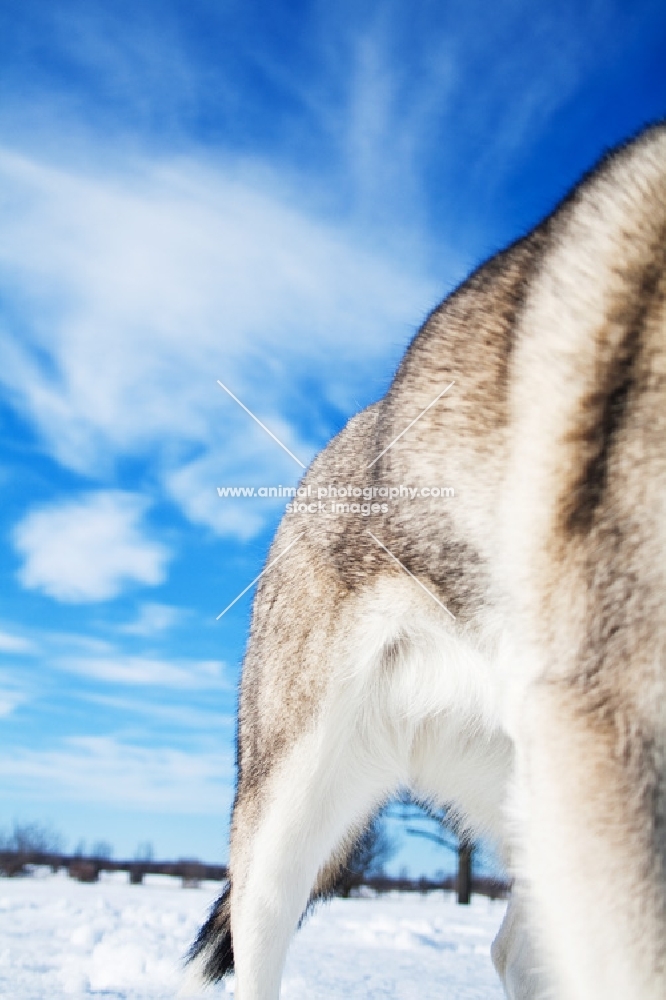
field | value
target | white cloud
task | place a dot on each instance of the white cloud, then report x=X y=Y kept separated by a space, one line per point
x=137 y=281
x=102 y=769
x=88 y=549
x=200 y=721
x=153 y=619
x=12 y=692
x=10 y=643
x=138 y=288
x=194 y=485
x=10 y=700
x=144 y=670
x=87 y=645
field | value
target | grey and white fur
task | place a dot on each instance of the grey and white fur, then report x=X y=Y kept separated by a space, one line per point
x=540 y=711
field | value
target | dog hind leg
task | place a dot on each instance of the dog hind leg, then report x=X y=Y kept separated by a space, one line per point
x=311 y=808
x=515 y=958
x=591 y=792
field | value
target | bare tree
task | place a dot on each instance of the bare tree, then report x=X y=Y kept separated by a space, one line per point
x=439 y=826
x=80 y=850
x=28 y=843
x=102 y=849
x=143 y=856
x=144 y=851
x=373 y=849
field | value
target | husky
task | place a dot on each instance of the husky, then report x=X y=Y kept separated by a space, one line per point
x=502 y=651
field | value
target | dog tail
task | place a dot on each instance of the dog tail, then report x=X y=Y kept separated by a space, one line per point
x=212 y=953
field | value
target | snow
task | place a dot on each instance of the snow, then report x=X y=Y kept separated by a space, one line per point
x=63 y=939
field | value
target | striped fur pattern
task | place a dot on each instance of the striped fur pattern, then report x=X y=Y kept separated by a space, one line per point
x=524 y=680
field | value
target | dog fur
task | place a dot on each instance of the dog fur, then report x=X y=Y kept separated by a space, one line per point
x=539 y=709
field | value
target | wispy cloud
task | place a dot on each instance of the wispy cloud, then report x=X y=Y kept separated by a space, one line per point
x=140 y=279
x=140 y=288
x=10 y=699
x=200 y=722
x=13 y=691
x=10 y=643
x=105 y=770
x=145 y=671
x=153 y=620
x=187 y=270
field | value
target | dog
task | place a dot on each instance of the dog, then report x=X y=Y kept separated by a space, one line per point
x=501 y=650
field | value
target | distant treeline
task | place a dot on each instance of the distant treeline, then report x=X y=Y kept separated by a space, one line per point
x=87 y=868
x=494 y=888
x=192 y=872
x=32 y=845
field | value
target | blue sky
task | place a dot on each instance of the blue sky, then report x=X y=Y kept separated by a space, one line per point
x=270 y=194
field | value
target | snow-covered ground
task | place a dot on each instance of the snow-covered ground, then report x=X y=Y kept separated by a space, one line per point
x=61 y=939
